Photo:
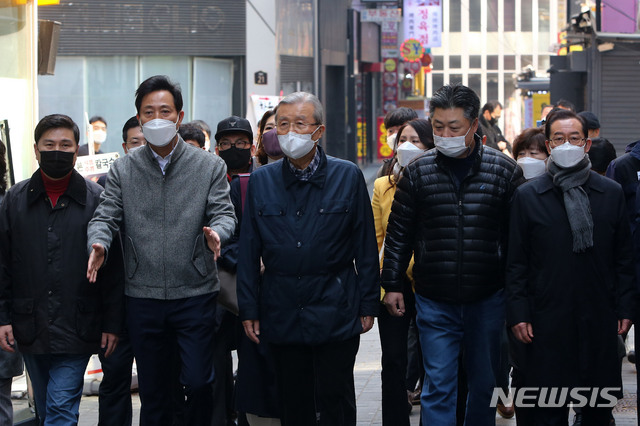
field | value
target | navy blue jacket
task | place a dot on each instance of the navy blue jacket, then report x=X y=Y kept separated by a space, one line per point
x=626 y=171
x=317 y=241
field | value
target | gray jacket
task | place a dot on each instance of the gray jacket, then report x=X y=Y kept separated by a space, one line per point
x=165 y=252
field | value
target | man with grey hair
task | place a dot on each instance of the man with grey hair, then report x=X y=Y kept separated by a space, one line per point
x=451 y=211
x=308 y=218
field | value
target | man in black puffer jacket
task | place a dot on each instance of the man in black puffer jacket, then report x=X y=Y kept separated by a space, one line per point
x=451 y=211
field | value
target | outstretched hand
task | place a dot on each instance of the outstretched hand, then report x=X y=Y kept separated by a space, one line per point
x=213 y=241
x=96 y=259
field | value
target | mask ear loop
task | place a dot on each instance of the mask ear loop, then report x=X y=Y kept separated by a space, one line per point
x=311 y=135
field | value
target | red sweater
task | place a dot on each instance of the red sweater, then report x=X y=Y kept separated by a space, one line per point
x=55 y=188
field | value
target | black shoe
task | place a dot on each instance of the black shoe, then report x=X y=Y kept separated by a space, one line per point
x=631 y=357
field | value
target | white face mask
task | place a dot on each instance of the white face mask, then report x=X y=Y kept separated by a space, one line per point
x=532 y=167
x=135 y=148
x=567 y=155
x=453 y=146
x=296 y=146
x=159 y=132
x=99 y=136
x=391 y=141
x=407 y=152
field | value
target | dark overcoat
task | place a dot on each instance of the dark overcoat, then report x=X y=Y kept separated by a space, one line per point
x=44 y=291
x=573 y=300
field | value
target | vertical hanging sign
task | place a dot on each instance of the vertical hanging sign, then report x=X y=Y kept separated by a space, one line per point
x=423 y=21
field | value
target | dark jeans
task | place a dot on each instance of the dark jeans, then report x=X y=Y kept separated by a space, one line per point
x=316 y=383
x=156 y=327
x=393 y=342
x=114 y=395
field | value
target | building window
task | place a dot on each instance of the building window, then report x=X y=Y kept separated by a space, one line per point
x=492 y=86
x=526 y=60
x=492 y=62
x=543 y=16
x=455 y=78
x=437 y=81
x=475 y=61
x=509 y=62
x=509 y=15
x=455 y=61
x=438 y=63
x=525 y=15
x=454 y=16
x=492 y=15
x=475 y=83
x=475 y=19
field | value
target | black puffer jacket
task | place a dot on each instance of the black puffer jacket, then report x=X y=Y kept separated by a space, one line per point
x=458 y=234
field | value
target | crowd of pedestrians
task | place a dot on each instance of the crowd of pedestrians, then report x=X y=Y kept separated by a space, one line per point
x=482 y=260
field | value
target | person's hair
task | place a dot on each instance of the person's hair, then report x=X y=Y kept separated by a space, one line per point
x=192 y=132
x=602 y=153
x=155 y=83
x=563 y=114
x=203 y=126
x=261 y=154
x=425 y=133
x=3 y=168
x=565 y=104
x=56 y=121
x=491 y=106
x=532 y=137
x=130 y=124
x=399 y=116
x=592 y=120
x=455 y=95
x=305 y=97
x=97 y=118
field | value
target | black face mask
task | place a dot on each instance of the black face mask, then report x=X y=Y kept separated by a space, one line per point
x=236 y=158
x=56 y=164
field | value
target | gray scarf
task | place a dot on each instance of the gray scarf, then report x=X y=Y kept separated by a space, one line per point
x=576 y=201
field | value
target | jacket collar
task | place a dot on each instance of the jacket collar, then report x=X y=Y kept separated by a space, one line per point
x=177 y=152
x=545 y=183
x=77 y=189
x=318 y=178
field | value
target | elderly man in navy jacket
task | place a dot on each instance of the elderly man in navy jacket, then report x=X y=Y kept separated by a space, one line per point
x=308 y=217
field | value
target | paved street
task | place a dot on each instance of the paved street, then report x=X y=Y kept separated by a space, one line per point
x=367 y=380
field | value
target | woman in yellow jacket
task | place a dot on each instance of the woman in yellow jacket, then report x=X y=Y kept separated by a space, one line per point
x=412 y=140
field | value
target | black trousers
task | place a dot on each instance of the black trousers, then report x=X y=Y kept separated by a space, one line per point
x=316 y=383
x=114 y=394
x=393 y=342
x=156 y=328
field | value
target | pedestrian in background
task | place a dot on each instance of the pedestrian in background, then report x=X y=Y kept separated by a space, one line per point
x=414 y=138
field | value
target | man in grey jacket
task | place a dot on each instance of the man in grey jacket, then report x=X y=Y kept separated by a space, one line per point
x=172 y=202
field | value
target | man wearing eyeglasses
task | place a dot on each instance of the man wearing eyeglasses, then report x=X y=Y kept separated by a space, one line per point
x=234 y=144
x=308 y=219
x=570 y=275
